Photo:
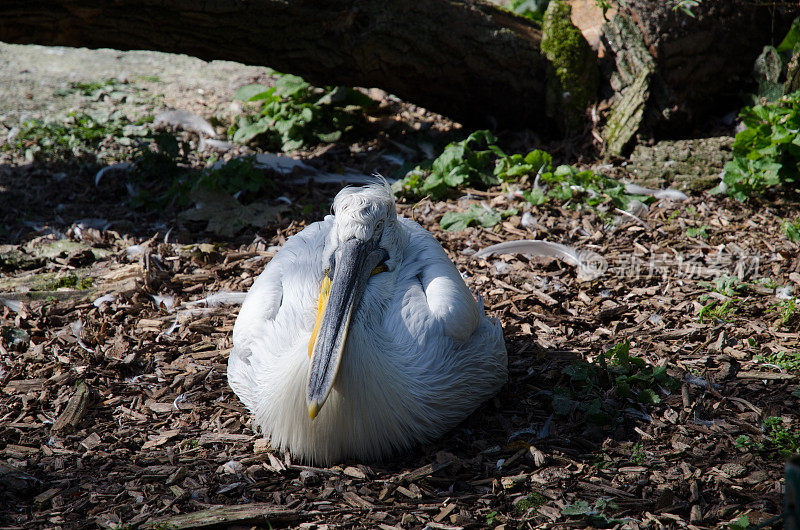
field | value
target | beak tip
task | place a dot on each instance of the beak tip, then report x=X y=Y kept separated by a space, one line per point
x=313 y=409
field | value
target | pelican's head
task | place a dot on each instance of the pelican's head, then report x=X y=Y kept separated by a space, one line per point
x=366 y=240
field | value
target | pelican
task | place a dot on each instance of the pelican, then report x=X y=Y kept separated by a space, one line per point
x=360 y=339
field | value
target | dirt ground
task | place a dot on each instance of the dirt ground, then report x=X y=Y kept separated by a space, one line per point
x=115 y=409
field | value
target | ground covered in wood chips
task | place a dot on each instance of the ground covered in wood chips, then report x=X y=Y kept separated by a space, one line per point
x=662 y=393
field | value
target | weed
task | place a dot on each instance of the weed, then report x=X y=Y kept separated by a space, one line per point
x=792 y=230
x=604 y=5
x=686 y=6
x=778 y=439
x=740 y=523
x=91 y=89
x=786 y=310
x=714 y=311
x=765 y=153
x=237 y=175
x=295 y=114
x=726 y=285
x=158 y=178
x=785 y=360
x=785 y=440
x=769 y=283
x=476 y=215
x=79 y=134
x=477 y=161
x=637 y=454
x=461 y=164
x=594 y=513
x=532 y=9
x=698 y=231
x=630 y=379
x=490 y=517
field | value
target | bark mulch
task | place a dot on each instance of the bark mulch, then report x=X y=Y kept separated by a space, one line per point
x=115 y=409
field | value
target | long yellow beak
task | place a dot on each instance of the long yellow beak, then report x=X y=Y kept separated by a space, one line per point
x=339 y=297
x=322 y=302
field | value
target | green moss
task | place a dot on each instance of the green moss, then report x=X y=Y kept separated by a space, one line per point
x=573 y=75
x=534 y=500
x=70 y=282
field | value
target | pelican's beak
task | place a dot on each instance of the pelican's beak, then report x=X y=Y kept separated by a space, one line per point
x=339 y=298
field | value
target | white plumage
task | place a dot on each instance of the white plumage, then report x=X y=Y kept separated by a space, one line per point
x=419 y=354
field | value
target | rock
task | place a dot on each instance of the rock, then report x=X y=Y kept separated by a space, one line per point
x=682 y=164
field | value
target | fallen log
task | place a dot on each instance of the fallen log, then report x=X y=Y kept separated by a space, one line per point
x=467 y=59
x=471 y=60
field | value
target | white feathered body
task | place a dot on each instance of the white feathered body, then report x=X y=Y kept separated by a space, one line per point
x=420 y=354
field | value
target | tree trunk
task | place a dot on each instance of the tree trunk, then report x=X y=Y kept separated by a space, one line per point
x=466 y=59
x=673 y=70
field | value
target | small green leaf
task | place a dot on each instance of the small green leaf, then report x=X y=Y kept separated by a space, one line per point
x=291 y=86
x=535 y=196
x=329 y=137
x=562 y=401
x=253 y=92
x=577 y=508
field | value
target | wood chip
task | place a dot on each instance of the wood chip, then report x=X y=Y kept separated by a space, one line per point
x=244 y=514
x=214 y=438
x=355 y=500
x=75 y=410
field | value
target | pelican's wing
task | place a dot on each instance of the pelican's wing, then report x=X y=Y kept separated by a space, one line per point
x=277 y=312
x=298 y=262
x=449 y=300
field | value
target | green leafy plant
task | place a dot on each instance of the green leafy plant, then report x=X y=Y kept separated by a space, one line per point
x=534 y=500
x=604 y=5
x=76 y=135
x=789 y=361
x=235 y=176
x=786 y=310
x=476 y=215
x=159 y=175
x=766 y=154
x=637 y=454
x=740 y=523
x=477 y=161
x=792 y=230
x=698 y=231
x=532 y=9
x=461 y=164
x=70 y=281
x=778 y=439
x=714 y=311
x=596 y=514
x=726 y=285
x=630 y=380
x=295 y=114
x=686 y=6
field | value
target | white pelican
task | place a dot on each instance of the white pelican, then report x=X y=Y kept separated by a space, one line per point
x=365 y=314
